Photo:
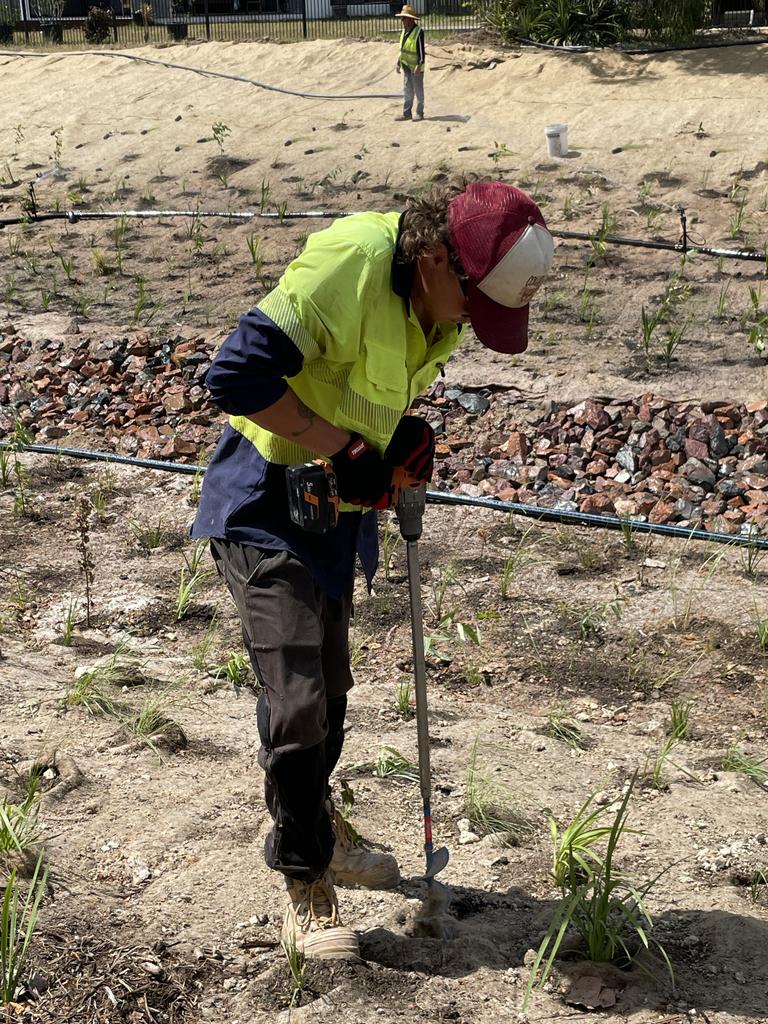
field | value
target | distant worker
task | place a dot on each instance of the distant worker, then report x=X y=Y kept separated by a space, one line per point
x=411 y=61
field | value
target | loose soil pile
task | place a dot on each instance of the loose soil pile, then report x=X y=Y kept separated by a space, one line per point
x=161 y=908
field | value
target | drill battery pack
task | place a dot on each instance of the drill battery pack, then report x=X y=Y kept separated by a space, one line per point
x=313 y=497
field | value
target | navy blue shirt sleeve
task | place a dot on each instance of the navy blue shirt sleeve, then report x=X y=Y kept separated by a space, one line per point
x=249 y=370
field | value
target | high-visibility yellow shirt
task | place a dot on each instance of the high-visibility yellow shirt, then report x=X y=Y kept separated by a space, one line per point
x=365 y=355
x=411 y=53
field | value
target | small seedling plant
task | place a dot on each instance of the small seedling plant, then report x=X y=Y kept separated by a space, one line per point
x=487 y=805
x=606 y=909
x=154 y=725
x=562 y=727
x=391 y=764
x=297 y=966
x=390 y=539
x=220 y=133
x=679 y=724
x=19 y=829
x=235 y=669
x=404 y=705
x=87 y=693
x=203 y=649
x=351 y=834
x=739 y=760
x=192 y=579
x=18 y=920
x=70 y=620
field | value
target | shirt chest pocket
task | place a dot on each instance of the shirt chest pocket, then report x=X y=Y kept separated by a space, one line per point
x=386 y=375
x=376 y=395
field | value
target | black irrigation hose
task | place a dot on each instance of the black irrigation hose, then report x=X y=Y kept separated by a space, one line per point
x=206 y=73
x=123 y=460
x=546 y=515
x=681 y=247
x=73 y=216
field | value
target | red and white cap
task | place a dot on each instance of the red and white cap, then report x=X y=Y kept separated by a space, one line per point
x=501 y=238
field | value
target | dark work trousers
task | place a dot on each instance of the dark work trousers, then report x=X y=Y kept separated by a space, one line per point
x=297 y=640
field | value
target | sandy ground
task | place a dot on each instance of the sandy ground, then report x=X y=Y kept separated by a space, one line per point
x=648 y=106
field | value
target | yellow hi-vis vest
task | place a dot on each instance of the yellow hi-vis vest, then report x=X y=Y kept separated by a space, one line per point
x=365 y=355
x=409 y=44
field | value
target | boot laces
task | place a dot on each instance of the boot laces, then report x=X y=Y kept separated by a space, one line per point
x=318 y=905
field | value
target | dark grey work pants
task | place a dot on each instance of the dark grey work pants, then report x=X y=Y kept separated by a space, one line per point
x=297 y=640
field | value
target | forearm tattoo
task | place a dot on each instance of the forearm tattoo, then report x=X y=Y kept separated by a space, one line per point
x=306 y=414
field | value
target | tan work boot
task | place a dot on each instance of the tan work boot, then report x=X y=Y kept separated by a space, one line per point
x=353 y=865
x=312 y=924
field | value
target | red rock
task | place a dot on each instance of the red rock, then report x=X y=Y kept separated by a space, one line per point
x=608 y=446
x=72 y=362
x=559 y=481
x=719 y=524
x=596 y=467
x=662 y=512
x=713 y=506
x=456 y=444
x=149 y=434
x=178 y=446
x=660 y=457
x=175 y=401
x=600 y=504
x=734 y=515
x=696 y=449
x=506 y=493
x=517 y=447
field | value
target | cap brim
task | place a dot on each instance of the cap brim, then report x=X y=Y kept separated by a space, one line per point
x=498 y=327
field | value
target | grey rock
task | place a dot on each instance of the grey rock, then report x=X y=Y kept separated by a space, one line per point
x=729 y=488
x=719 y=444
x=698 y=473
x=626 y=458
x=475 y=404
x=685 y=509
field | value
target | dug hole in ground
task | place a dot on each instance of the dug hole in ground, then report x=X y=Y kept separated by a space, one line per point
x=555 y=654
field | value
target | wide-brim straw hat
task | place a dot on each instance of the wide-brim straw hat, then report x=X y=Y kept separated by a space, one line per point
x=408 y=12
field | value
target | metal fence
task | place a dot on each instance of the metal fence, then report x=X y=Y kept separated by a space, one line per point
x=225 y=20
x=74 y=23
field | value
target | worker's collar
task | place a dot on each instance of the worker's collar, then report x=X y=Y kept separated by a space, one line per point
x=403 y=268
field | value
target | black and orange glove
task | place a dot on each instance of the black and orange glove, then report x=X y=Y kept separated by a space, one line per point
x=362 y=476
x=412 y=446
